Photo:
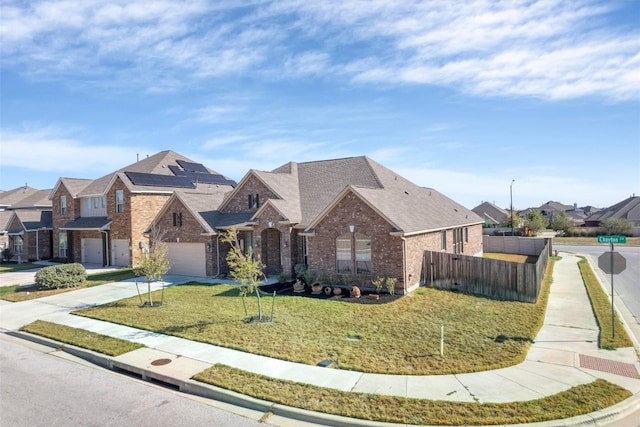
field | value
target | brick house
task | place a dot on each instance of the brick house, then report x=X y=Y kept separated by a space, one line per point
x=350 y=218
x=103 y=221
x=25 y=217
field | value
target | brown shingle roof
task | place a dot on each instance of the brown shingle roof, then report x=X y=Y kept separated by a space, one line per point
x=628 y=209
x=10 y=197
x=32 y=220
x=39 y=199
x=157 y=164
x=409 y=207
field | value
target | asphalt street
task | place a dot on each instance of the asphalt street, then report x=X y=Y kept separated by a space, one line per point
x=39 y=389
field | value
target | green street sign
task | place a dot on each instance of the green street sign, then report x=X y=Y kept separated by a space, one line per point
x=612 y=239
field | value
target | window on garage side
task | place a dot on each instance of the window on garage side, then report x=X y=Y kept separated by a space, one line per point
x=119 y=201
x=177 y=219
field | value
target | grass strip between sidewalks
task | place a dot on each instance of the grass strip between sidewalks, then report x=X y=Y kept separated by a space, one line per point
x=601 y=304
x=81 y=338
x=576 y=401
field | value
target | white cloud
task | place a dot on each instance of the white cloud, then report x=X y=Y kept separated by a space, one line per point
x=552 y=50
x=52 y=151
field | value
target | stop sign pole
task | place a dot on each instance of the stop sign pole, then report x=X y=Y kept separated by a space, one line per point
x=613 y=323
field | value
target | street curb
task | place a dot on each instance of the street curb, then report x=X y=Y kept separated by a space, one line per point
x=599 y=418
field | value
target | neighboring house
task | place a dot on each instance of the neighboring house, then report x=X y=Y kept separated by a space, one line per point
x=11 y=197
x=493 y=215
x=551 y=208
x=351 y=218
x=628 y=209
x=103 y=221
x=30 y=234
x=25 y=223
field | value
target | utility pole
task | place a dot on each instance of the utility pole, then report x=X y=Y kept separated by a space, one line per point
x=511 y=197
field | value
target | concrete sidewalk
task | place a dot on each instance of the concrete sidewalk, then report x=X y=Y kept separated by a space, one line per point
x=564 y=354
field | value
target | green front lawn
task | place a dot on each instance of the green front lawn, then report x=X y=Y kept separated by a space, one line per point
x=401 y=337
x=10 y=267
x=17 y=294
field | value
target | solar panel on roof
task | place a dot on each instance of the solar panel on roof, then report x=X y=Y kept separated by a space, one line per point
x=176 y=170
x=155 y=180
x=192 y=167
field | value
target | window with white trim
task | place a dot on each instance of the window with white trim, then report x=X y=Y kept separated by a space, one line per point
x=63 y=205
x=62 y=245
x=353 y=254
x=18 y=245
x=443 y=240
x=119 y=201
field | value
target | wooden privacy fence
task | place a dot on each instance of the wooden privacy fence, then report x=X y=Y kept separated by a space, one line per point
x=482 y=276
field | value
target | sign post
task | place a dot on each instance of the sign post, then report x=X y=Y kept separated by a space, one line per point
x=613 y=263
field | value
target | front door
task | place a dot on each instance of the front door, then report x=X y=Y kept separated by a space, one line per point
x=271 y=256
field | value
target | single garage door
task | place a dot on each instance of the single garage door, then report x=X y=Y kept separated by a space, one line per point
x=120 y=252
x=187 y=259
x=92 y=251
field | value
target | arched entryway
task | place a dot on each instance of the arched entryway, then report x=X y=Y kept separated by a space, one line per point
x=271 y=256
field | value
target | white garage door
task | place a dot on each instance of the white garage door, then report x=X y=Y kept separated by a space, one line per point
x=120 y=252
x=187 y=259
x=92 y=251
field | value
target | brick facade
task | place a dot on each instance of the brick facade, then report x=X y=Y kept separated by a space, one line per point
x=251 y=187
x=188 y=230
x=36 y=245
x=386 y=250
x=73 y=212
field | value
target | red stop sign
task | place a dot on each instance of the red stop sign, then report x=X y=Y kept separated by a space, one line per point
x=612 y=262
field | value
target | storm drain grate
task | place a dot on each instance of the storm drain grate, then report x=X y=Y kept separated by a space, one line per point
x=610 y=366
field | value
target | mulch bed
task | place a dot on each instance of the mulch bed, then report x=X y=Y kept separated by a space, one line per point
x=365 y=298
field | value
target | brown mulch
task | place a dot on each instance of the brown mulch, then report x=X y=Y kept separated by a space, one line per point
x=365 y=298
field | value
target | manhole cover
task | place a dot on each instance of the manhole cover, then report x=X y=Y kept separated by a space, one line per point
x=161 y=362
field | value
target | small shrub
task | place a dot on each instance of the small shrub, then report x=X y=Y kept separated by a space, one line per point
x=7 y=253
x=377 y=283
x=391 y=284
x=283 y=277
x=61 y=276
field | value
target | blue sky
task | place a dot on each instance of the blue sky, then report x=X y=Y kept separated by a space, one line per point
x=462 y=97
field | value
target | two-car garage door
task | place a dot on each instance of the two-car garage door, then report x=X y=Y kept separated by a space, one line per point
x=188 y=259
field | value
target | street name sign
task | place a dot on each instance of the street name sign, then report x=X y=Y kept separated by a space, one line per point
x=612 y=239
x=612 y=262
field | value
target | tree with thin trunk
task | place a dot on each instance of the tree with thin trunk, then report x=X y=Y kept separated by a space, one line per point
x=535 y=222
x=561 y=222
x=244 y=268
x=154 y=264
